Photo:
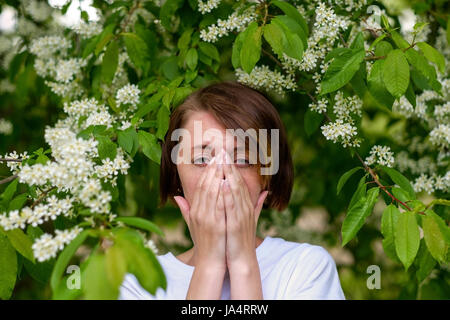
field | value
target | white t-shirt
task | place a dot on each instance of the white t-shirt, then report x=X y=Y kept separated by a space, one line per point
x=289 y=270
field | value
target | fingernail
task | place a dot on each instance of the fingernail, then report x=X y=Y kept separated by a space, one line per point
x=212 y=160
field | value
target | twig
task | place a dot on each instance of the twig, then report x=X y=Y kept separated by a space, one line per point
x=6 y=180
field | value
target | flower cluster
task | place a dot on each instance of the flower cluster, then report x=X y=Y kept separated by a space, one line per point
x=422 y=165
x=87 y=29
x=235 y=22
x=343 y=108
x=14 y=165
x=38 y=10
x=440 y=136
x=325 y=31
x=381 y=155
x=38 y=214
x=320 y=106
x=46 y=247
x=431 y=183
x=129 y=94
x=263 y=77
x=339 y=131
x=208 y=6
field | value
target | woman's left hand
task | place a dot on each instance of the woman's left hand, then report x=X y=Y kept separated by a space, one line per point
x=241 y=218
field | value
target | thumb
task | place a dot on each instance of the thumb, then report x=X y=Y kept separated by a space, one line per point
x=260 y=203
x=184 y=207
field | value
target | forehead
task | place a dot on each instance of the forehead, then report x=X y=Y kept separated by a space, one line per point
x=205 y=130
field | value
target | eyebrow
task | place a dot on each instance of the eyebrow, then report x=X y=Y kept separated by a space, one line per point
x=208 y=146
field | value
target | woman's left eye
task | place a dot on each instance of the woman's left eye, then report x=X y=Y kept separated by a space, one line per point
x=242 y=162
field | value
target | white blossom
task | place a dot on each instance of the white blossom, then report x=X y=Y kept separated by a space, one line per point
x=208 y=5
x=381 y=155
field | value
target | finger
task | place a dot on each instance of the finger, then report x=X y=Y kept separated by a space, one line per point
x=231 y=181
x=229 y=203
x=184 y=207
x=198 y=193
x=205 y=187
x=242 y=187
x=259 y=204
x=213 y=190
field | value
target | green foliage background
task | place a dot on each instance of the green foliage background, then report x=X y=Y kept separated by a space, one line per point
x=316 y=212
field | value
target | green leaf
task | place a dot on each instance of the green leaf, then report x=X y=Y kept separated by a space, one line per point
x=357 y=214
x=380 y=38
x=292 y=43
x=150 y=146
x=376 y=85
x=110 y=62
x=432 y=55
x=358 y=42
x=434 y=229
x=106 y=148
x=141 y=261
x=274 y=35
x=209 y=50
x=407 y=238
x=237 y=47
x=292 y=12
x=400 y=179
x=341 y=70
x=116 y=265
x=127 y=139
x=8 y=268
x=192 y=58
x=251 y=47
x=383 y=48
x=18 y=202
x=137 y=50
x=396 y=73
x=343 y=179
x=424 y=262
x=389 y=220
x=95 y=280
x=103 y=39
x=312 y=121
x=168 y=10
x=64 y=258
x=9 y=192
x=21 y=242
x=162 y=119
x=359 y=192
x=141 y=223
x=290 y=24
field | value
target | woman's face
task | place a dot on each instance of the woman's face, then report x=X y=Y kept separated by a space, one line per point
x=190 y=173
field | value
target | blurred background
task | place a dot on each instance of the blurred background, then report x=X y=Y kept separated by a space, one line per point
x=315 y=213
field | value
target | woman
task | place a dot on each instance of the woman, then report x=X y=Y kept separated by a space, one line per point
x=220 y=190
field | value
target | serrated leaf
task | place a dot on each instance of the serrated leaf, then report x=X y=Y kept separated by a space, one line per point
x=192 y=58
x=389 y=220
x=21 y=242
x=407 y=238
x=95 y=280
x=292 y=12
x=251 y=47
x=433 y=227
x=110 y=62
x=341 y=70
x=8 y=267
x=432 y=55
x=396 y=73
x=150 y=146
x=400 y=179
x=343 y=179
x=357 y=214
x=141 y=223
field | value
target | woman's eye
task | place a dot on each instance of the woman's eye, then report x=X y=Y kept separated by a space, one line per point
x=242 y=162
x=201 y=161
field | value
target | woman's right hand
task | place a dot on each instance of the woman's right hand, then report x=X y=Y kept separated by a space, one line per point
x=206 y=217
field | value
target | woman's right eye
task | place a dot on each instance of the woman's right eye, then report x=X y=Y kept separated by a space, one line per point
x=201 y=161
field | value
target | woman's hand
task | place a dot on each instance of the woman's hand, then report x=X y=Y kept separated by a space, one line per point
x=241 y=218
x=206 y=217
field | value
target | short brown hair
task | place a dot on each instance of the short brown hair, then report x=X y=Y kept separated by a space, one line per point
x=235 y=106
